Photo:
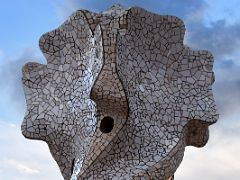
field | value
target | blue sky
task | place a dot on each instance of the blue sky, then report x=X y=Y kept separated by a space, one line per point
x=211 y=24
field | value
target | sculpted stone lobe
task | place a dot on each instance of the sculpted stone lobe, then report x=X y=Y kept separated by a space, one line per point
x=120 y=97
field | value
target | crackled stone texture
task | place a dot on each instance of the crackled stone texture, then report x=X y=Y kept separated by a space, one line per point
x=120 y=97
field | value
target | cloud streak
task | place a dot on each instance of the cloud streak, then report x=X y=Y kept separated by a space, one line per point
x=22 y=159
x=21 y=168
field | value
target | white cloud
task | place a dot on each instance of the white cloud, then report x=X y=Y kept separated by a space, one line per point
x=22 y=168
x=219 y=160
x=23 y=159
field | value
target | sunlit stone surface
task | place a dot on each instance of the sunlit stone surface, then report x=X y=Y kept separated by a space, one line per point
x=120 y=96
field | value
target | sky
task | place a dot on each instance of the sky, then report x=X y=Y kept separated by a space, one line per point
x=212 y=25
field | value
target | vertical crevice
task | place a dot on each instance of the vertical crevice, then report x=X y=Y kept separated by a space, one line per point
x=72 y=166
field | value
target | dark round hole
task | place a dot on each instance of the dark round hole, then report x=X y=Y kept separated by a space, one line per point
x=106 y=124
